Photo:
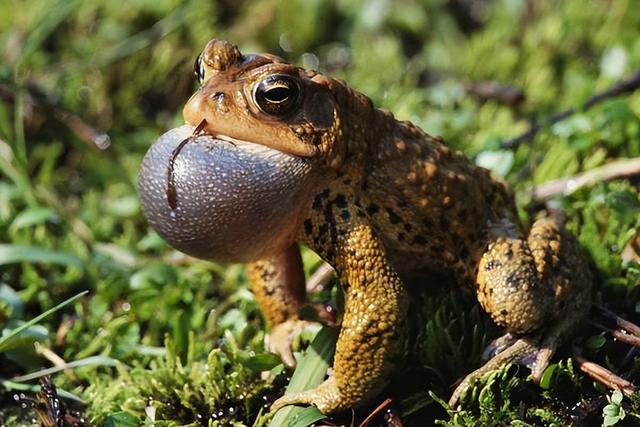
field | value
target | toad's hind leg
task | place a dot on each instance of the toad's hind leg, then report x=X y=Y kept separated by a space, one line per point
x=539 y=290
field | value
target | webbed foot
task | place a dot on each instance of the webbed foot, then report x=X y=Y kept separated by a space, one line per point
x=326 y=397
x=531 y=351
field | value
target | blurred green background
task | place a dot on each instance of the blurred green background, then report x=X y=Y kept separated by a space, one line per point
x=158 y=329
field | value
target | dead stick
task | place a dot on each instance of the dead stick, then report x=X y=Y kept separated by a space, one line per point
x=39 y=99
x=320 y=277
x=625 y=337
x=375 y=412
x=623 y=86
x=616 y=169
x=604 y=376
x=630 y=327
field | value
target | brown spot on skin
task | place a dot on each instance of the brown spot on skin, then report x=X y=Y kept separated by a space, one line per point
x=340 y=201
x=419 y=240
x=393 y=217
x=444 y=223
x=373 y=209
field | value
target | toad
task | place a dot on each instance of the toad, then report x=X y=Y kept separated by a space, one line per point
x=290 y=156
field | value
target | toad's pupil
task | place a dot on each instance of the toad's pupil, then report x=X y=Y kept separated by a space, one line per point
x=277 y=94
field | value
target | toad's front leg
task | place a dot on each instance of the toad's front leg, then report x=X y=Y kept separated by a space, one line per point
x=278 y=285
x=370 y=340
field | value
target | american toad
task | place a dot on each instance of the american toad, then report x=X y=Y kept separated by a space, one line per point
x=290 y=156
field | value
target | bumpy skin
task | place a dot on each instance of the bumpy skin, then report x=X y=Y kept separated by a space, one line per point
x=388 y=201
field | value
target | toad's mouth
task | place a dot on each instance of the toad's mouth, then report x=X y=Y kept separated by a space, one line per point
x=254 y=148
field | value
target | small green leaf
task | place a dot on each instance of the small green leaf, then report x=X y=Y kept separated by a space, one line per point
x=610 y=421
x=610 y=410
x=498 y=161
x=548 y=376
x=122 y=419
x=10 y=254
x=616 y=397
x=31 y=217
x=152 y=241
x=595 y=342
x=11 y=297
x=261 y=362
x=153 y=275
x=27 y=337
x=614 y=62
x=123 y=207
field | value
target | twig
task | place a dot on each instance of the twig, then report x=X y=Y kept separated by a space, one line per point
x=623 y=336
x=622 y=330
x=375 y=412
x=604 y=376
x=623 y=86
x=619 y=334
x=320 y=277
x=486 y=90
x=82 y=129
x=50 y=355
x=39 y=99
x=630 y=327
x=616 y=169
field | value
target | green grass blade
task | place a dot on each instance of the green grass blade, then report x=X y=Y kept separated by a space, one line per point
x=310 y=372
x=49 y=20
x=10 y=385
x=10 y=254
x=88 y=361
x=4 y=341
x=31 y=217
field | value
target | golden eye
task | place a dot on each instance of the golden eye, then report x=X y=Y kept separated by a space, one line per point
x=277 y=94
x=198 y=69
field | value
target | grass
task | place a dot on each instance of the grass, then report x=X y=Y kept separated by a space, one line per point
x=178 y=341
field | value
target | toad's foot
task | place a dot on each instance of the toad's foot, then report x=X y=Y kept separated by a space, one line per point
x=530 y=351
x=282 y=336
x=326 y=397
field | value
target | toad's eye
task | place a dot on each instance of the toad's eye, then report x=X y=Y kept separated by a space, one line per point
x=277 y=94
x=198 y=69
